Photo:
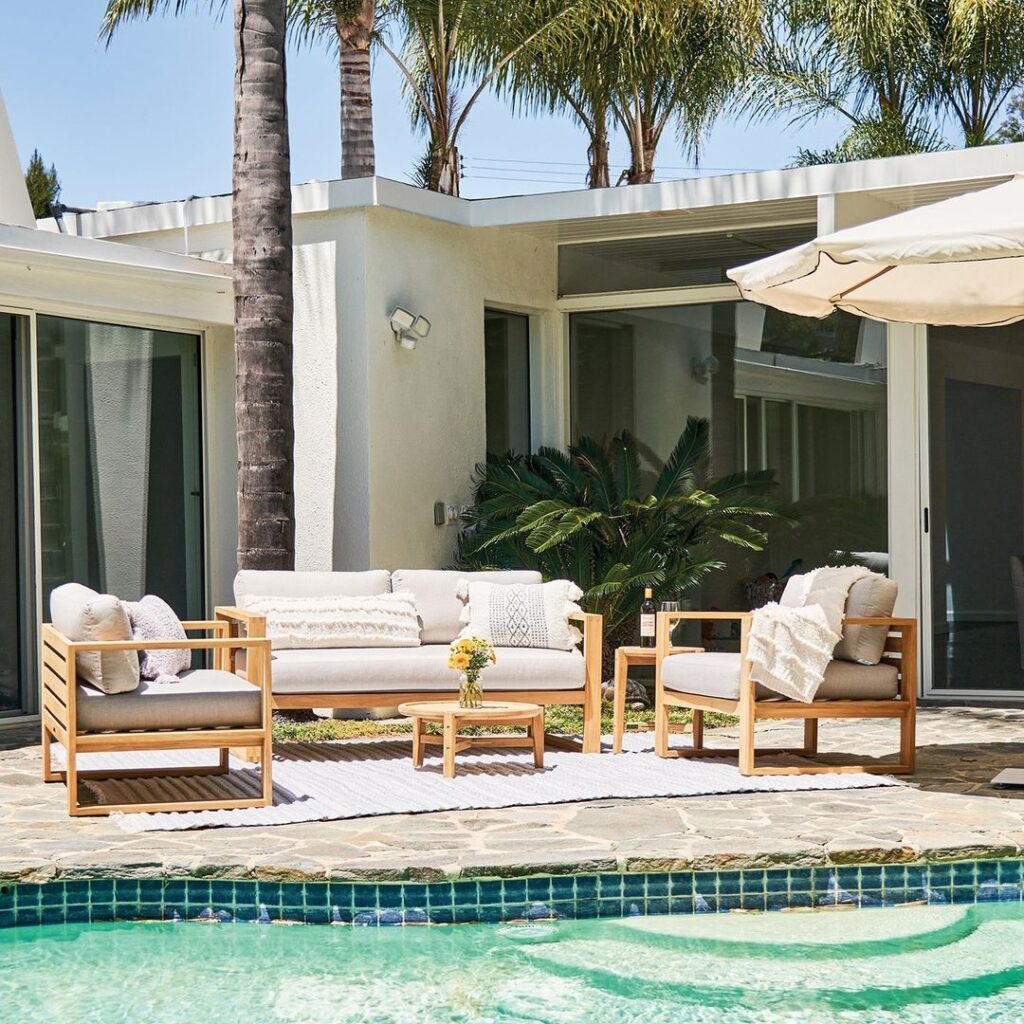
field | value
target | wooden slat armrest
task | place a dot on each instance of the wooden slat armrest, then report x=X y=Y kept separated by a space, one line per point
x=673 y=616
x=227 y=643
x=250 y=622
x=217 y=626
x=589 y=619
x=878 y=620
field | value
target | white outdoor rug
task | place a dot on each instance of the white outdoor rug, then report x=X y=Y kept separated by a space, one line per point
x=355 y=779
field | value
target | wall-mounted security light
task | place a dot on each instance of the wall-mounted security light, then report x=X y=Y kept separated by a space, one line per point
x=409 y=328
x=704 y=369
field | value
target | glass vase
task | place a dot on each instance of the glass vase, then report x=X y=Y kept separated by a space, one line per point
x=471 y=693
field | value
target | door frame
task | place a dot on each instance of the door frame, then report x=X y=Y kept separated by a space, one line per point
x=30 y=555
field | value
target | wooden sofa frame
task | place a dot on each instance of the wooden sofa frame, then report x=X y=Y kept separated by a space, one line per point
x=248 y=624
x=900 y=651
x=58 y=707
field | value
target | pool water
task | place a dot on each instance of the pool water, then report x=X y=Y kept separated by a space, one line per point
x=913 y=965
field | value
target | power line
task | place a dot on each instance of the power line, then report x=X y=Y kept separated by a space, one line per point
x=570 y=163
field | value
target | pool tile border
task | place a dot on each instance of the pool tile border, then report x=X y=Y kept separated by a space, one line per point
x=493 y=900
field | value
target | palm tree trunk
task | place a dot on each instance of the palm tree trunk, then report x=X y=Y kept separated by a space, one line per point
x=597 y=158
x=354 y=36
x=642 y=145
x=445 y=169
x=262 y=245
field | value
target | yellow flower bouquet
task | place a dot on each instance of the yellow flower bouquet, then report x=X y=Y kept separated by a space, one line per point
x=470 y=656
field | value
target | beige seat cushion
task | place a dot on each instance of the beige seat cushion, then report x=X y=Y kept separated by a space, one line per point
x=437 y=600
x=420 y=670
x=82 y=614
x=200 y=699
x=282 y=583
x=718 y=675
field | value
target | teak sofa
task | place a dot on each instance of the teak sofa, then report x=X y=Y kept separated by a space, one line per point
x=207 y=709
x=366 y=677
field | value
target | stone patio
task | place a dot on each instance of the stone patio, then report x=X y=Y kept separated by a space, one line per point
x=948 y=811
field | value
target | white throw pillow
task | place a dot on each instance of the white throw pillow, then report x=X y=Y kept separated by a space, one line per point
x=152 y=618
x=522 y=614
x=303 y=623
x=82 y=614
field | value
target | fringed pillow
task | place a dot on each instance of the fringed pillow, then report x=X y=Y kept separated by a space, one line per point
x=152 y=618
x=301 y=623
x=521 y=614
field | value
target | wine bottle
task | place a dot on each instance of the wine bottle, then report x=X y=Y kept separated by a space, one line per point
x=648 y=620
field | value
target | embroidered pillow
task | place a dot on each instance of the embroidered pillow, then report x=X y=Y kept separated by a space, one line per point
x=521 y=614
x=300 y=623
x=152 y=618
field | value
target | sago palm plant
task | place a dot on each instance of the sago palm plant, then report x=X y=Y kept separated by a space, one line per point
x=590 y=516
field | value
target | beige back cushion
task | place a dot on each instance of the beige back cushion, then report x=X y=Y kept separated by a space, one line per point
x=871 y=596
x=437 y=597
x=82 y=614
x=250 y=583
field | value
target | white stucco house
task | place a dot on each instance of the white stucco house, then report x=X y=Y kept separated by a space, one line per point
x=552 y=316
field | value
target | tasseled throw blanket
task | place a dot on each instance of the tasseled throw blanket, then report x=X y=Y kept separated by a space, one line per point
x=790 y=645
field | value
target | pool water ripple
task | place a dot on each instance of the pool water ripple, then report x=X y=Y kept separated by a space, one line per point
x=914 y=965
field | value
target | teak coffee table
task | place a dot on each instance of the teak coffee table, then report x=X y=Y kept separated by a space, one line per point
x=452 y=717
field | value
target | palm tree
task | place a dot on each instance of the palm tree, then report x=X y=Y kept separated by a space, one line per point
x=977 y=61
x=679 y=61
x=348 y=28
x=467 y=44
x=262 y=261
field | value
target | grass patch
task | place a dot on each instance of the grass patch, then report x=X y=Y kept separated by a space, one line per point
x=562 y=719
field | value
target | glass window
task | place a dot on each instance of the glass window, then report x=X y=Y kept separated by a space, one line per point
x=119 y=461
x=507 y=381
x=806 y=399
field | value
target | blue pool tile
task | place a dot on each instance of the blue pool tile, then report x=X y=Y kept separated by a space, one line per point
x=150 y=911
x=848 y=879
x=126 y=890
x=657 y=906
x=6 y=918
x=79 y=914
x=657 y=886
x=821 y=879
x=680 y=904
x=609 y=886
x=965 y=873
x=753 y=881
x=586 y=887
x=680 y=883
x=7 y=897
x=776 y=881
x=317 y=915
x=466 y=913
x=940 y=876
x=585 y=909
x=538 y=888
x=222 y=894
x=705 y=903
x=365 y=895
x=801 y=899
x=53 y=914
x=443 y=915
x=776 y=901
x=27 y=916
x=964 y=894
x=340 y=894
x=871 y=878
x=490 y=891
x=513 y=890
x=439 y=895
x=491 y=914
x=801 y=879
x=27 y=897
x=1009 y=871
x=465 y=894
x=100 y=890
x=609 y=908
x=198 y=891
x=563 y=887
x=752 y=901
x=896 y=896
x=174 y=892
x=52 y=894
x=633 y=887
x=95 y=912
x=728 y=883
x=917 y=876
x=729 y=901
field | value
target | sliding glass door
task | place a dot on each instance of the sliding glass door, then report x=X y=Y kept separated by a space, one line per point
x=16 y=603
x=120 y=469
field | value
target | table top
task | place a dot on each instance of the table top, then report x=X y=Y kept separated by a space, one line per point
x=488 y=709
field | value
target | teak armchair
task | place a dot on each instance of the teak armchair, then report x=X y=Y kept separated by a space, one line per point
x=714 y=690
x=151 y=726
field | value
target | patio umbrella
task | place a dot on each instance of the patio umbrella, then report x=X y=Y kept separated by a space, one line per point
x=958 y=262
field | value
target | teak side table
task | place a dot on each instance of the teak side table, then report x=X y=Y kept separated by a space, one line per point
x=624 y=657
x=452 y=716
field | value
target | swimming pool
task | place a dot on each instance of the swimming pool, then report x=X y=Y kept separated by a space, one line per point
x=915 y=965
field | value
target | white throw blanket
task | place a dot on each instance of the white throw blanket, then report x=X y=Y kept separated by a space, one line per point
x=790 y=645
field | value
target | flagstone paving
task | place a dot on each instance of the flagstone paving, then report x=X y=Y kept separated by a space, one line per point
x=949 y=811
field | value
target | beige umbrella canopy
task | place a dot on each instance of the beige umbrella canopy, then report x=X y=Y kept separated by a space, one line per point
x=960 y=261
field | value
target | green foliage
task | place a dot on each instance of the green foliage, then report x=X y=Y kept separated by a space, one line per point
x=43 y=185
x=614 y=519
x=1012 y=128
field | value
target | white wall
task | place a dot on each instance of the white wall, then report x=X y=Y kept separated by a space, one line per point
x=15 y=207
x=426 y=426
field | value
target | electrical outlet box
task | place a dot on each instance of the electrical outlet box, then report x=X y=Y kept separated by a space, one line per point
x=440 y=513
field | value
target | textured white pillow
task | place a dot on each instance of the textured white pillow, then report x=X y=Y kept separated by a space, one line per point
x=521 y=614
x=302 y=623
x=82 y=614
x=152 y=618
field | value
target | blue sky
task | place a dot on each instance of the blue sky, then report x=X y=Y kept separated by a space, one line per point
x=150 y=117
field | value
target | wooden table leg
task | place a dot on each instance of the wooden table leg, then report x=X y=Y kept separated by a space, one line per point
x=450 y=732
x=619 y=712
x=418 y=726
x=537 y=735
x=698 y=729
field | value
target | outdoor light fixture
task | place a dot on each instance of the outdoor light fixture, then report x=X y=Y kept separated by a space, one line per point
x=408 y=327
x=704 y=369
